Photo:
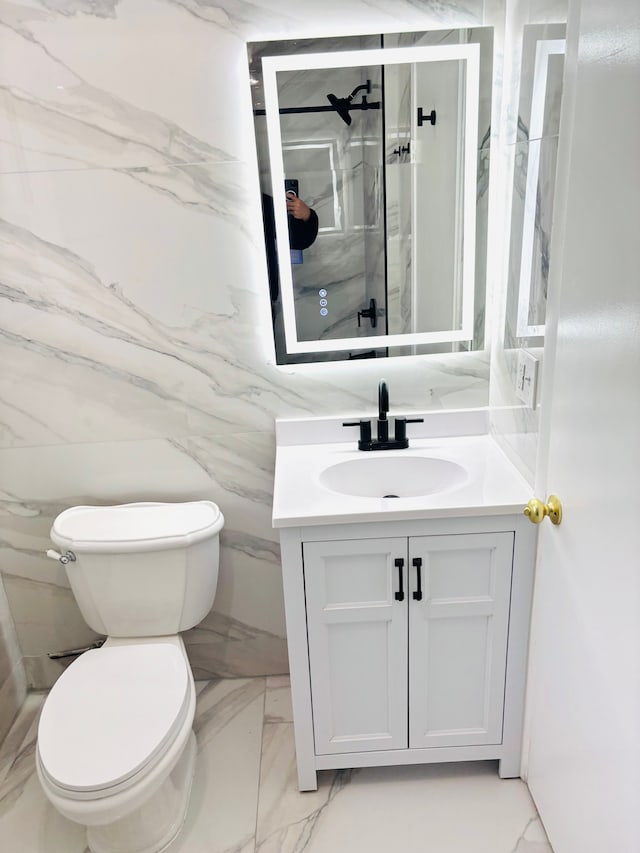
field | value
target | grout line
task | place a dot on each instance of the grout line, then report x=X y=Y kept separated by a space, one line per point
x=264 y=713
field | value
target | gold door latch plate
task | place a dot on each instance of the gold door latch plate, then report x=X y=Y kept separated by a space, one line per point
x=536 y=510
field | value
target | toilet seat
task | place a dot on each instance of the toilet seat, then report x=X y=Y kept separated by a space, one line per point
x=111 y=716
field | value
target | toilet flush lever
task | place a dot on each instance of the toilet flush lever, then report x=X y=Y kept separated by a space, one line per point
x=67 y=557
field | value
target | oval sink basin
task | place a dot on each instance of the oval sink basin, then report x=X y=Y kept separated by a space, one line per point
x=393 y=477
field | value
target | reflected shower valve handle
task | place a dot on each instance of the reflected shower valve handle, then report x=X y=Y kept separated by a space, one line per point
x=370 y=313
x=404 y=149
x=422 y=118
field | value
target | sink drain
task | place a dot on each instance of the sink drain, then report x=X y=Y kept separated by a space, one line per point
x=391 y=496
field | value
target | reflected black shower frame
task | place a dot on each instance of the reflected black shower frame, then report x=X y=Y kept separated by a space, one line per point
x=342 y=106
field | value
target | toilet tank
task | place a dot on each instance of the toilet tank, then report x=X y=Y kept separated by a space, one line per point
x=142 y=569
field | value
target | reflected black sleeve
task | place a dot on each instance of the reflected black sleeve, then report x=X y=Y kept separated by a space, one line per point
x=302 y=234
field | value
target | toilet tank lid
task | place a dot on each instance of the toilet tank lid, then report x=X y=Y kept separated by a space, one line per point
x=136 y=526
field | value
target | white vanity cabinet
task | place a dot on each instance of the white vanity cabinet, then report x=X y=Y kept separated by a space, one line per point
x=408 y=641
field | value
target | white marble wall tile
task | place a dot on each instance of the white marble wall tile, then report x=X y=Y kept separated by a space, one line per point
x=244 y=634
x=222 y=646
x=128 y=307
x=47 y=617
x=135 y=317
x=131 y=312
x=154 y=90
x=240 y=469
x=117 y=85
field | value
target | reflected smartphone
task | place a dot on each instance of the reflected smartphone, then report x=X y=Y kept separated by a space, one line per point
x=291 y=186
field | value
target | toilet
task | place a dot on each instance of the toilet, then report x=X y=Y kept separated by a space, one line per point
x=116 y=749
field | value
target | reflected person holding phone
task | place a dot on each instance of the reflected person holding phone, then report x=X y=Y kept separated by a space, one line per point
x=303 y=227
x=303 y=230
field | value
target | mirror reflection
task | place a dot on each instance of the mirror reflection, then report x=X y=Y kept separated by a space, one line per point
x=536 y=152
x=373 y=155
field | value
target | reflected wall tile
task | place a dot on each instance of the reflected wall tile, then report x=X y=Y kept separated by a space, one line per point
x=514 y=426
x=520 y=59
x=536 y=251
x=536 y=35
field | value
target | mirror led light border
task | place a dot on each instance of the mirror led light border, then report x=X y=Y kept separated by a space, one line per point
x=544 y=49
x=353 y=59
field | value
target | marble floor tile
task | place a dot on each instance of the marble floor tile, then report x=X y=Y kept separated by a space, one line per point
x=245 y=798
x=449 y=807
x=224 y=796
x=28 y=822
x=277 y=700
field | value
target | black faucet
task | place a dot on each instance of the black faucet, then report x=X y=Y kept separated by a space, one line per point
x=383 y=410
x=382 y=440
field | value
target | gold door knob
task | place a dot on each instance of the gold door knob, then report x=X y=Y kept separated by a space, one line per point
x=535 y=510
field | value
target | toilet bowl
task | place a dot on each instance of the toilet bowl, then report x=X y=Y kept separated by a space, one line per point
x=116 y=749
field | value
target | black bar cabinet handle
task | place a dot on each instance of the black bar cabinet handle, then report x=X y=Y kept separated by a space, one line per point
x=399 y=563
x=417 y=562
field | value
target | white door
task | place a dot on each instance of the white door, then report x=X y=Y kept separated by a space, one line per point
x=584 y=688
x=357 y=628
x=458 y=625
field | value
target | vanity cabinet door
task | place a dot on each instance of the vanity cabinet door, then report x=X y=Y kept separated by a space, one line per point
x=458 y=638
x=357 y=633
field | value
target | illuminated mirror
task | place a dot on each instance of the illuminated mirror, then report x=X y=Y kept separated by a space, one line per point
x=388 y=147
x=534 y=183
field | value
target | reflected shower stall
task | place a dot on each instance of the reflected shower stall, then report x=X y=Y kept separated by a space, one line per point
x=378 y=152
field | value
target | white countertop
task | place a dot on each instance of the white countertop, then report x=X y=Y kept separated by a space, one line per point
x=493 y=485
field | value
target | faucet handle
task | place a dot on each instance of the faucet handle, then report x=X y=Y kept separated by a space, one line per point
x=400 y=426
x=365 y=428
